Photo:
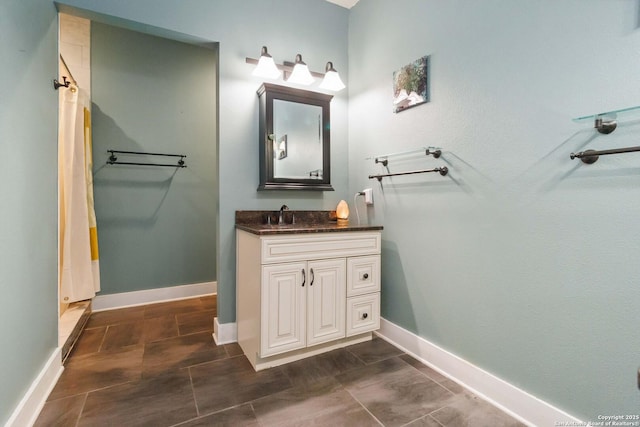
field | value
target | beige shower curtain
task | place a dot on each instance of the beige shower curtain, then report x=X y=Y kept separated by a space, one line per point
x=79 y=265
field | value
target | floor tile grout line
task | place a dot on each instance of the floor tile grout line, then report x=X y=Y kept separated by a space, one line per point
x=253 y=410
x=208 y=414
x=436 y=410
x=251 y=401
x=95 y=389
x=428 y=377
x=356 y=356
x=399 y=357
x=203 y=312
x=196 y=332
x=375 y=361
x=174 y=337
x=430 y=416
x=453 y=394
x=363 y=406
x=193 y=393
x=104 y=337
x=423 y=417
x=86 y=396
x=444 y=379
x=354 y=397
x=212 y=361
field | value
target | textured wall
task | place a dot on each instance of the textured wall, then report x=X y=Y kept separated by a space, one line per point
x=28 y=207
x=521 y=261
x=157 y=225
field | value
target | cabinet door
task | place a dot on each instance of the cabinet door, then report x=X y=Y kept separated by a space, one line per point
x=326 y=299
x=283 y=308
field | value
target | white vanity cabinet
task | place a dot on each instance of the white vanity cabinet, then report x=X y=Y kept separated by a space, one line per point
x=304 y=294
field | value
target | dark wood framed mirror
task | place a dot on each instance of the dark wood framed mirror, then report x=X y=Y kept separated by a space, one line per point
x=294 y=139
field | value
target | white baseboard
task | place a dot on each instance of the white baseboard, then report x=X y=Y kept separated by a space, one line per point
x=224 y=333
x=150 y=296
x=34 y=399
x=514 y=401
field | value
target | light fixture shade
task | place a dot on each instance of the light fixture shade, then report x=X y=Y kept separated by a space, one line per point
x=332 y=80
x=300 y=74
x=266 y=67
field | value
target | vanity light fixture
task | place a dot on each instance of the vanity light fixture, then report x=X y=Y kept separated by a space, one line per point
x=332 y=80
x=300 y=74
x=295 y=72
x=266 y=66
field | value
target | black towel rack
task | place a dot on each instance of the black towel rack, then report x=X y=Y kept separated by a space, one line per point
x=443 y=171
x=591 y=156
x=113 y=159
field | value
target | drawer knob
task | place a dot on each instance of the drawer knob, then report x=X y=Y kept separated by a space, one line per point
x=365 y=315
x=365 y=276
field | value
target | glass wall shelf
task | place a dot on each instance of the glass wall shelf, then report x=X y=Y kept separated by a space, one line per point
x=607 y=122
x=435 y=151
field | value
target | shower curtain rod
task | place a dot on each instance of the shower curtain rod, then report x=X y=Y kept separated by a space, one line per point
x=68 y=69
x=66 y=83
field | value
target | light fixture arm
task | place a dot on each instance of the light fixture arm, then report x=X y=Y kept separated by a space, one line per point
x=286 y=67
x=264 y=52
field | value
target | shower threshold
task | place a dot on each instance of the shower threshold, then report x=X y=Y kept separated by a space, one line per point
x=71 y=324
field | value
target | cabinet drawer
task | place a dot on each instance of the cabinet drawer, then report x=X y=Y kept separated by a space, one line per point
x=327 y=245
x=363 y=275
x=363 y=313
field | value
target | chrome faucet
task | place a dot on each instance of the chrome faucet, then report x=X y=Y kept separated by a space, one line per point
x=281 y=214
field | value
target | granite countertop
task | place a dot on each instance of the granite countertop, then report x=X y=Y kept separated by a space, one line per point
x=255 y=222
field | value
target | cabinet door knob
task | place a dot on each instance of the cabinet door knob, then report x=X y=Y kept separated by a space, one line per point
x=313 y=277
x=304 y=278
x=365 y=315
x=365 y=276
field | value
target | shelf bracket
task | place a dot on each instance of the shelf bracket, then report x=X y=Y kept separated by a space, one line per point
x=605 y=127
x=588 y=156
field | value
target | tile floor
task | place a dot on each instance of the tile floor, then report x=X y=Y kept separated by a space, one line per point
x=157 y=365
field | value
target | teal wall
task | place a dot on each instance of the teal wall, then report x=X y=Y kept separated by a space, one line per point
x=316 y=29
x=157 y=225
x=28 y=206
x=521 y=261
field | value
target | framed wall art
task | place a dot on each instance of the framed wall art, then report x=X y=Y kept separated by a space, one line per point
x=411 y=85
